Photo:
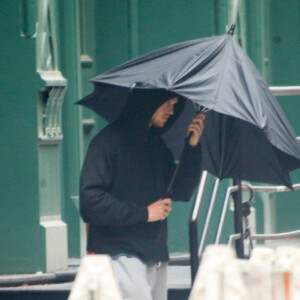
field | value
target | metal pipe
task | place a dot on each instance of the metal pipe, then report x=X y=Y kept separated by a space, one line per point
x=224 y=209
x=275 y=236
x=193 y=232
x=200 y=194
x=270 y=189
x=234 y=12
x=233 y=237
x=267 y=189
x=285 y=90
x=208 y=216
x=238 y=218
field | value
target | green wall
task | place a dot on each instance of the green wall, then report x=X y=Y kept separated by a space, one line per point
x=285 y=57
x=21 y=240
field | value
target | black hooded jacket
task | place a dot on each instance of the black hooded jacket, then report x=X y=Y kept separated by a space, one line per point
x=128 y=167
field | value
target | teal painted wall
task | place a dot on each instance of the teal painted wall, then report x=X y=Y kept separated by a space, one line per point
x=21 y=240
x=170 y=22
x=285 y=57
x=112 y=44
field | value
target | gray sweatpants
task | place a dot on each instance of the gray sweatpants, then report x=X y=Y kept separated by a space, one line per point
x=140 y=281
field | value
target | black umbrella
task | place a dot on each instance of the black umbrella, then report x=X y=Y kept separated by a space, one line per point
x=246 y=137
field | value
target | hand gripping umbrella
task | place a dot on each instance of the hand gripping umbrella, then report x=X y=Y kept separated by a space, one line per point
x=246 y=136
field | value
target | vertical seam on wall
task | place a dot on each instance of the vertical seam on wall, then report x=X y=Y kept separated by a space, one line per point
x=133 y=28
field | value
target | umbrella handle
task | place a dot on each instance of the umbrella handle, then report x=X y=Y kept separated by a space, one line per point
x=199 y=109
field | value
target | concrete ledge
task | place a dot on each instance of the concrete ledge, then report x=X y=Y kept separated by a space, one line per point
x=34 y=280
x=56 y=245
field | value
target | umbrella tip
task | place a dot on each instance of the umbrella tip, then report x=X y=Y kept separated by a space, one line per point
x=132 y=86
x=231 y=30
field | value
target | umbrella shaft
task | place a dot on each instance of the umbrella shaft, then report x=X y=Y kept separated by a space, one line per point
x=238 y=219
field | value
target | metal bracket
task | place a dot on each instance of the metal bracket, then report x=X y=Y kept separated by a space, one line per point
x=51 y=99
x=54 y=85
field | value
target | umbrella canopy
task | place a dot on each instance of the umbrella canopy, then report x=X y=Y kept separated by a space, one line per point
x=247 y=135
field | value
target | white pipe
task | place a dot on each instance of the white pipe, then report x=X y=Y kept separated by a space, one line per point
x=200 y=193
x=285 y=90
x=224 y=209
x=209 y=214
x=269 y=189
x=276 y=236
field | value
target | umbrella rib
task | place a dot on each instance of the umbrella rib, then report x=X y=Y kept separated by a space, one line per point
x=222 y=74
x=201 y=65
x=154 y=55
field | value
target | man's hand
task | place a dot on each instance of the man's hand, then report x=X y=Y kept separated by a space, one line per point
x=196 y=127
x=159 y=210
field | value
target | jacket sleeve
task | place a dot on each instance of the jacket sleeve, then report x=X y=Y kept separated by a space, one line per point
x=188 y=174
x=97 y=205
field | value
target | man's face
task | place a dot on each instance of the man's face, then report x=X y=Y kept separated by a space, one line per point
x=163 y=113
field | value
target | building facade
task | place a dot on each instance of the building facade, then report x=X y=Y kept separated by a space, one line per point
x=50 y=49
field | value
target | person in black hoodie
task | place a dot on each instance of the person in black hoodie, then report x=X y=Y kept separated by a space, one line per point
x=123 y=186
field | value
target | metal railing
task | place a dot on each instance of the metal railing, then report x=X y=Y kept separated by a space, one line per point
x=196 y=248
x=263 y=237
x=285 y=90
x=255 y=189
x=193 y=222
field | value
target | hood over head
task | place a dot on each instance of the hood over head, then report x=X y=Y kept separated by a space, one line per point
x=140 y=107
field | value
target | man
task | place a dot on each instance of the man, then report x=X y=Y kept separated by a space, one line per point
x=123 y=185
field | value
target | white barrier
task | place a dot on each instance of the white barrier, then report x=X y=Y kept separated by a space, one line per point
x=95 y=280
x=219 y=276
x=268 y=275
x=286 y=273
x=258 y=273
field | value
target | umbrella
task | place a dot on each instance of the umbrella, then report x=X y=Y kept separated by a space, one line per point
x=246 y=136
